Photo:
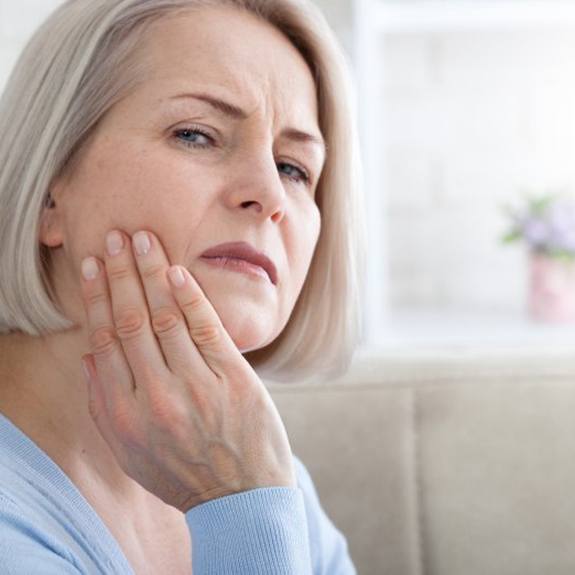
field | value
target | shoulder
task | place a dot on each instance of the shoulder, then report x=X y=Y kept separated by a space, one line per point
x=46 y=525
x=27 y=544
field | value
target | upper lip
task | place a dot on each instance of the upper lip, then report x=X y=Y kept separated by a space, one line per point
x=244 y=251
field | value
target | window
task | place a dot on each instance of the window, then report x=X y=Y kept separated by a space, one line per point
x=464 y=105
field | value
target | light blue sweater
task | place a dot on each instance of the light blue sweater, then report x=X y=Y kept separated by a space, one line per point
x=48 y=528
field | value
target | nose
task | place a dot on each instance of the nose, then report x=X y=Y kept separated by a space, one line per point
x=257 y=187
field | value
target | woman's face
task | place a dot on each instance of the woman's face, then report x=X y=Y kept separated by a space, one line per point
x=172 y=158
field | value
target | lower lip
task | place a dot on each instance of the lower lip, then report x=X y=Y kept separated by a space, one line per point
x=236 y=265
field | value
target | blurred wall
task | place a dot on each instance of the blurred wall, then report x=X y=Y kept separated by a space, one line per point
x=470 y=120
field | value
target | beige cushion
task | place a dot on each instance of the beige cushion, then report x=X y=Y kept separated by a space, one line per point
x=453 y=464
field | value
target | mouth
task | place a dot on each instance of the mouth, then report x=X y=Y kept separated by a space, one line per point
x=239 y=266
x=241 y=257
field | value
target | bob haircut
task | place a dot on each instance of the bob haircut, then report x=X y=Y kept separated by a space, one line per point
x=84 y=59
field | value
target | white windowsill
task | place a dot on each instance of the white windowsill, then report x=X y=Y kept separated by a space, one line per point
x=445 y=15
x=444 y=330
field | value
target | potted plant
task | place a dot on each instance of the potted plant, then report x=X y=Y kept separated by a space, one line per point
x=546 y=223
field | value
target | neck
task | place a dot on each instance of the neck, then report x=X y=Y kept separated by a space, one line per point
x=43 y=392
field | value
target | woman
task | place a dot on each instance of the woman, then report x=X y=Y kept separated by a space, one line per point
x=178 y=212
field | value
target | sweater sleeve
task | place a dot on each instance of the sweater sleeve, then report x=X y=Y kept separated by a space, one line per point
x=267 y=531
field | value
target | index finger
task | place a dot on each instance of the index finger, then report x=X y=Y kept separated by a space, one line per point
x=205 y=326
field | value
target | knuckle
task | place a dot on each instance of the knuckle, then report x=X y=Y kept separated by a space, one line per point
x=206 y=335
x=123 y=421
x=154 y=271
x=103 y=340
x=247 y=386
x=95 y=298
x=118 y=273
x=162 y=410
x=130 y=323
x=165 y=320
x=246 y=394
x=179 y=417
x=211 y=408
x=193 y=304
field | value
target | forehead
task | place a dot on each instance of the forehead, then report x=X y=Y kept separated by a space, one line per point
x=235 y=51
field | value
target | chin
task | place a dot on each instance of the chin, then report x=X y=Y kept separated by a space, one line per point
x=250 y=326
x=247 y=342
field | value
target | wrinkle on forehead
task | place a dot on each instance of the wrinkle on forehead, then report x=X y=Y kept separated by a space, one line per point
x=217 y=46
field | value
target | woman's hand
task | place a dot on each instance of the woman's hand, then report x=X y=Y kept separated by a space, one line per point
x=182 y=410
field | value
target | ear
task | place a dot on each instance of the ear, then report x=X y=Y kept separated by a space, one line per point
x=51 y=230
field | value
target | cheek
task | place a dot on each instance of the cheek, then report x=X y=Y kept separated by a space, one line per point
x=140 y=191
x=304 y=241
x=310 y=233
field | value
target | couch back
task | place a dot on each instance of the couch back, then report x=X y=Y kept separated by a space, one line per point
x=448 y=464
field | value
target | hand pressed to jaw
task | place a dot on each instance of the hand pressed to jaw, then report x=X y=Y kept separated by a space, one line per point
x=182 y=410
x=156 y=325
x=155 y=346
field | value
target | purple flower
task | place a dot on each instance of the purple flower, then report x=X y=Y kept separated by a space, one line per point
x=561 y=222
x=562 y=239
x=535 y=231
x=547 y=224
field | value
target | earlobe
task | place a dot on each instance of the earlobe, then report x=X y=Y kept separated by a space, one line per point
x=50 y=229
x=49 y=202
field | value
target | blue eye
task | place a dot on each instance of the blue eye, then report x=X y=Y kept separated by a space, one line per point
x=294 y=173
x=192 y=137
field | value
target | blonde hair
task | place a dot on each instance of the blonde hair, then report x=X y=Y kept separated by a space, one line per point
x=74 y=69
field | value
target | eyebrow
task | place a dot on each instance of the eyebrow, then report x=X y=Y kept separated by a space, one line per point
x=236 y=113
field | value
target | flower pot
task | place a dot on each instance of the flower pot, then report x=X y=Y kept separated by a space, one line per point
x=551 y=289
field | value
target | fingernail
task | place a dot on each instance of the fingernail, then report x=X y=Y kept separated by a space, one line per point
x=90 y=269
x=176 y=276
x=114 y=243
x=142 y=243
